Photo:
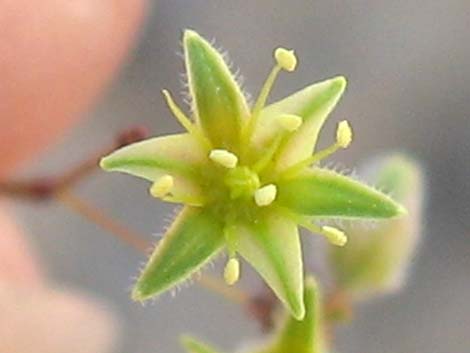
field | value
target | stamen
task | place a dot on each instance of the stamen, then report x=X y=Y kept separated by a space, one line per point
x=224 y=158
x=343 y=140
x=162 y=186
x=334 y=235
x=184 y=120
x=289 y=122
x=343 y=134
x=265 y=195
x=232 y=271
x=268 y=156
x=286 y=59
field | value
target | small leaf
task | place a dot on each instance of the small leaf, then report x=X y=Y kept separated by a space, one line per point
x=218 y=103
x=324 y=193
x=192 y=345
x=313 y=103
x=376 y=259
x=177 y=155
x=192 y=240
x=272 y=246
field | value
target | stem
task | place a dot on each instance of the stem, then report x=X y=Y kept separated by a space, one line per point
x=94 y=215
x=41 y=189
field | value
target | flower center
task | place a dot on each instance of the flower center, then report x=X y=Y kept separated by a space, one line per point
x=242 y=182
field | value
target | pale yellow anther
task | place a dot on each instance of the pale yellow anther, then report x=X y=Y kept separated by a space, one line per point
x=224 y=158
x=334 y=235
x=286 y=59
x=265 y=195
x=162 y=186
x=232 y=271
x=289 y=122
x=343 y=134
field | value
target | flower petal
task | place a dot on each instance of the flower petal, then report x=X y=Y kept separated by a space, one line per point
x=218 y=103
x=272 y=246
x=304 y=336
x=313 y=103
x=192 y=240
x=193 y=345
x=324 y=193
x=376 y=259
x=176 y=155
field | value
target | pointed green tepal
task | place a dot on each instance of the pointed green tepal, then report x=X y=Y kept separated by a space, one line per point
x=324 y=193
x=192 y=345
x=272 y=246
x=177 y=155
x=304 y=336
x=313 y=104
x=218 y=103
x=192 y=240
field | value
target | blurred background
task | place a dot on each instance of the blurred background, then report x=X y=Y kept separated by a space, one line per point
x=407 y=63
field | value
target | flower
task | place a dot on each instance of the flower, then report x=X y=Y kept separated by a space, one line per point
x=306 y=336
x=246 y=176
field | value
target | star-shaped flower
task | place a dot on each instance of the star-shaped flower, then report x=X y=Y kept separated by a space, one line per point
x=305 y=336
x=247 y=177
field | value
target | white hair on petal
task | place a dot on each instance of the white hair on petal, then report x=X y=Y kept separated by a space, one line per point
x=158 y=235
x=180 y=54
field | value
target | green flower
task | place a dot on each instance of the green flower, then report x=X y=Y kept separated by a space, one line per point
x=306 y=336
x=246 y=176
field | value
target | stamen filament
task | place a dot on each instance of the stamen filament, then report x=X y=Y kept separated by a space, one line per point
x=344 y=137
x=185 y=121
x=265 y=90
x=267 y=157
x=289 y=124
x=190 y=200
x=317 y=157
x=260 y=103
